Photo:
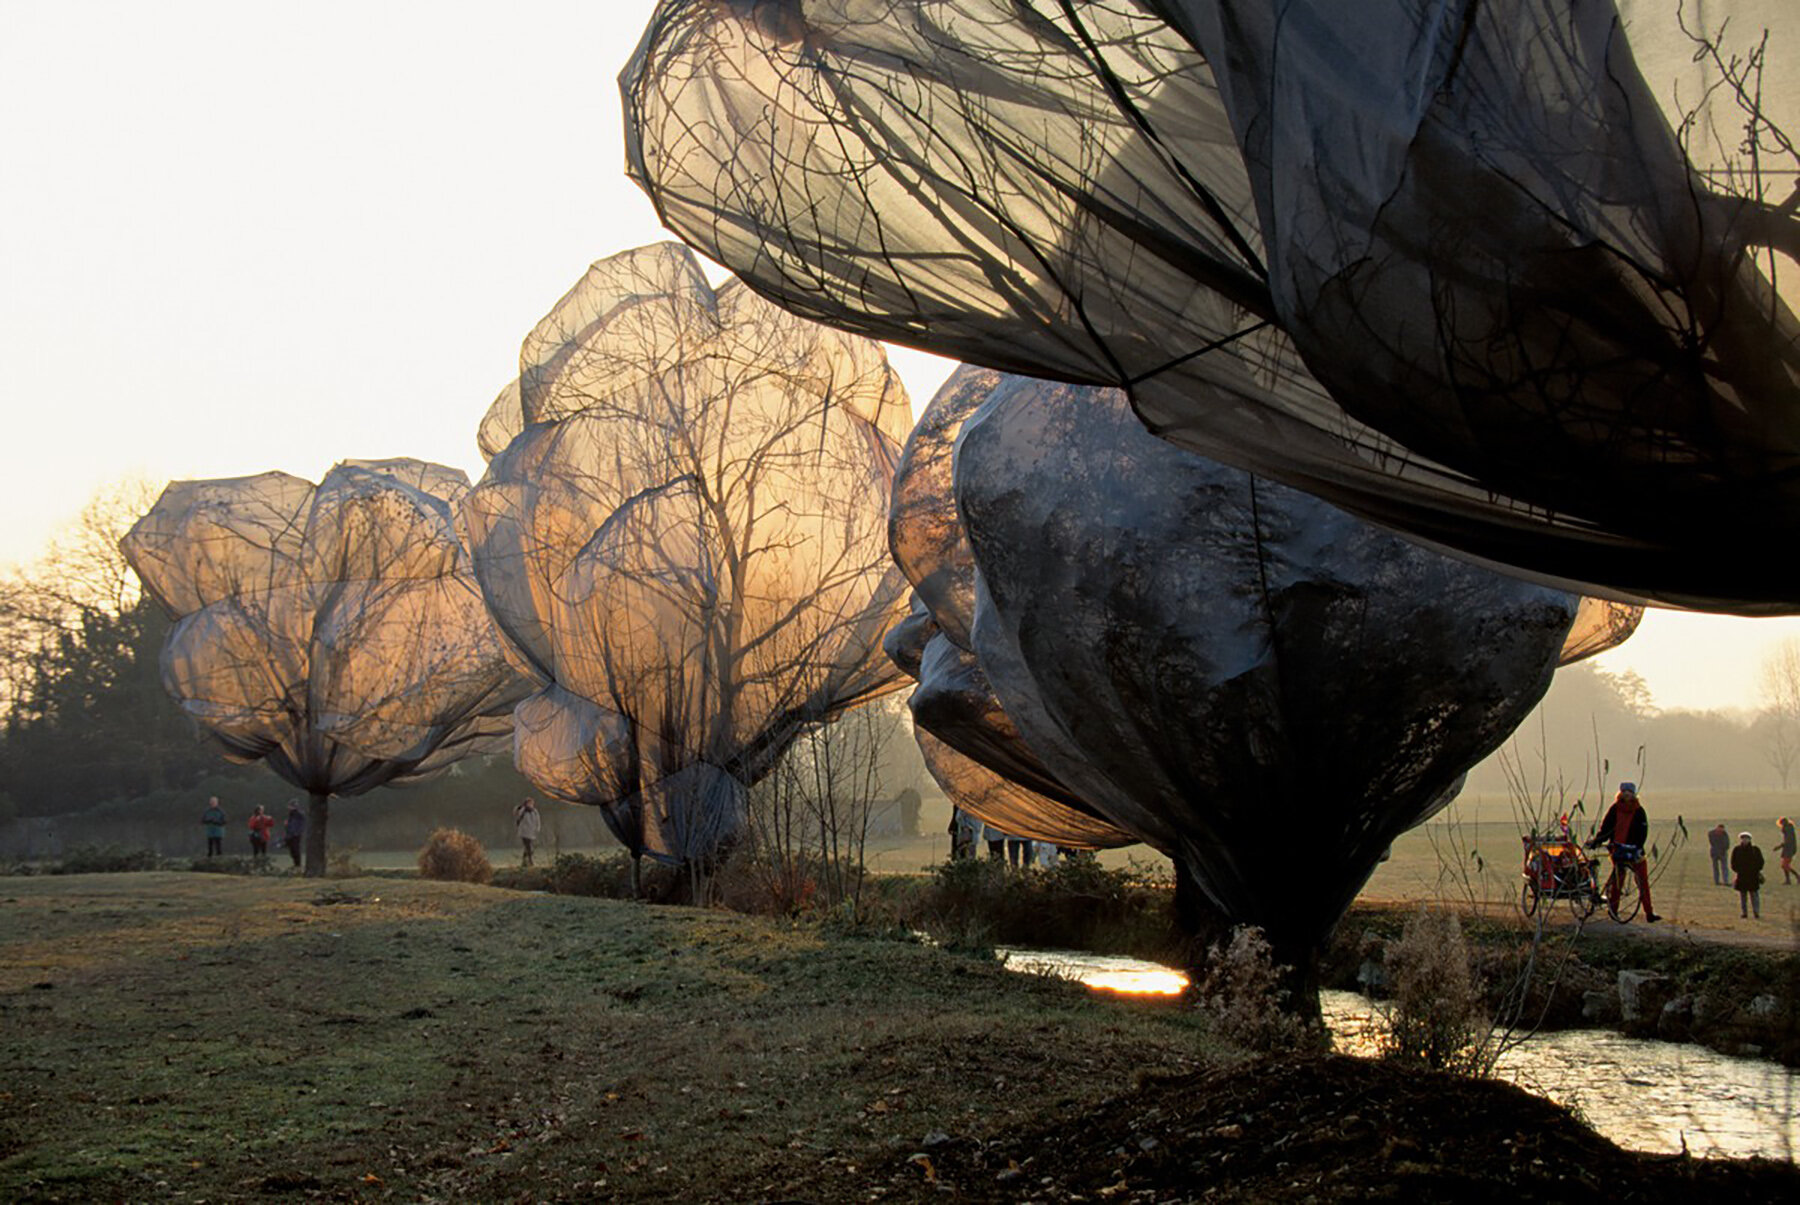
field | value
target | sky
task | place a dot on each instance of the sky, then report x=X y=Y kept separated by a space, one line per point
x=239 y=237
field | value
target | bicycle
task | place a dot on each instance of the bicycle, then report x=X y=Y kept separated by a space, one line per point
x=1624 y=857
x=1556 y=868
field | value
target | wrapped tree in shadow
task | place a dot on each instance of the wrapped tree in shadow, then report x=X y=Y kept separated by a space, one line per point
x=1242 y=676
x=969 y=744
x=333 y=632
x=680 y=533
x=1512 y=277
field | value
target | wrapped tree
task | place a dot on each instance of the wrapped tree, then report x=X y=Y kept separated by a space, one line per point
x=1246 y=678
x=680 y=532
x=1506 y=277
x=969 y=744
x=333 y=632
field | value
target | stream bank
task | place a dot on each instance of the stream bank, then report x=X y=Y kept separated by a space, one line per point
x=1734 y=999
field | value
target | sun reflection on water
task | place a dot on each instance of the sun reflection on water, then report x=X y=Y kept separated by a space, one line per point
x=1102 y=972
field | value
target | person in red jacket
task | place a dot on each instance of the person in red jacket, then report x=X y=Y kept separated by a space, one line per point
x=261 y=825
x=1624 y=830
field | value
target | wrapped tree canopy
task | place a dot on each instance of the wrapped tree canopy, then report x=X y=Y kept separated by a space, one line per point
x=681 y=533
x=955 y=710
x=969 y=744
x=1235 y=672
x=1501 y=276
x=334 y=632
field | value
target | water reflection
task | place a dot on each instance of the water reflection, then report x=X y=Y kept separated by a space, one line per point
x=1107 y=972
x=1643 y=1095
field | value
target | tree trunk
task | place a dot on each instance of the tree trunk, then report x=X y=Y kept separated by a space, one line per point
x=318 y=814
x=1205 y=926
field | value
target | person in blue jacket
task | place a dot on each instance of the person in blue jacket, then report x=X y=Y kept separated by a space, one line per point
x=213 y=819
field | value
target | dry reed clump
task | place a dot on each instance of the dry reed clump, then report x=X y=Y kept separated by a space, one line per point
x=1436 y=1018
x=452 y=855
x=1242 y=994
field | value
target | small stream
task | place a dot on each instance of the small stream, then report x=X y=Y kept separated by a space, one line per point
x=1643 y=1095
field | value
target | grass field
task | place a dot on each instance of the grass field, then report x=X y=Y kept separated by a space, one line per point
x=1437 y=860
x=213 y=1037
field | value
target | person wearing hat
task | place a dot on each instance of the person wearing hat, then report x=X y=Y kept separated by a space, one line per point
x=1623 y=830
x=1747 y=865
x=1788 y=843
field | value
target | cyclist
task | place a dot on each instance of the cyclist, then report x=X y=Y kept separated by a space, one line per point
x=1623 y=830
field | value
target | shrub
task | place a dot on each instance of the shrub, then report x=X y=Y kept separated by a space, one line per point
x=223 y=865
x=1241 y=993
x=1435 y=1018
x=107 y=859
x=579 y=874
x=341 y=863
x=977 y=903
x=454 y=856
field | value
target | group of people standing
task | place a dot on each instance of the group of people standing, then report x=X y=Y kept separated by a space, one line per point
x=968 y=831
x=1741 y=865
x=262 y=827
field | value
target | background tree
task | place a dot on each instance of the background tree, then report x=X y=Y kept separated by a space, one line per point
x=1779 y=678
x=83 y=717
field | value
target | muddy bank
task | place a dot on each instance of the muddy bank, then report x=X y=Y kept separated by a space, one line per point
x=1733 y=999
x=1318 y=1129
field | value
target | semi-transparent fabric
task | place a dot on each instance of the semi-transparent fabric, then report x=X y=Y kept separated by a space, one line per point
x=1236 y=672
x=681 y=534
x=335 y=632
x=1457 y=268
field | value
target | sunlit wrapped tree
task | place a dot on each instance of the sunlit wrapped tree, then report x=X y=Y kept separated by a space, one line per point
x=681 y=533
x=333 y=632
x=1511 y=277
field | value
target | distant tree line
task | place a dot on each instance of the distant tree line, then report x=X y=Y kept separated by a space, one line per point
x=1596 y=727
x=83 y=716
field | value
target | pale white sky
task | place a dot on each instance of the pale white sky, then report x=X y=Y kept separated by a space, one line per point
x=238 y=237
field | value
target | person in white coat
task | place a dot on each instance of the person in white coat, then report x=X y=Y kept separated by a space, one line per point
x=529 y=822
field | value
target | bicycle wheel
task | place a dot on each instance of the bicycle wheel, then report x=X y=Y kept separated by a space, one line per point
x=1628 y=909
x=1584 y=897
x=1528 y=897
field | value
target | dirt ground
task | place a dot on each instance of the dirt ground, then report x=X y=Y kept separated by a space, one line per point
x=199 y=1037
x=1327 y=1129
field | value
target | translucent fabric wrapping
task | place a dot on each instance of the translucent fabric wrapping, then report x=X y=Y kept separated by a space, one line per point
x=1454 y=267
x=680 y=532
x=1231 y=670
x=335 y=632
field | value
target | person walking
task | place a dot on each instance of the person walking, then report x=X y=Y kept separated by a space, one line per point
x=1788 y=843
x=1624 y=830
x=213 y=820
x=1747 y=865
x=529 y=823
x=1719 y=845
x=261 y=825
x=293 y=834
